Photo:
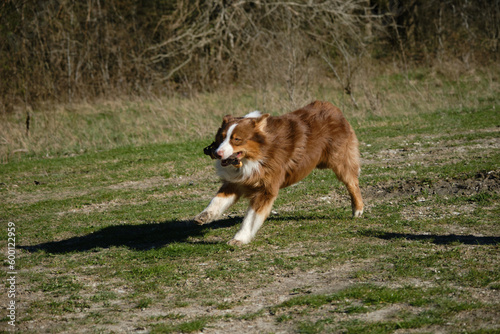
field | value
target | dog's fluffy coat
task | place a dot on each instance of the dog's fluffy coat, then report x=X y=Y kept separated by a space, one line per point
x=257 y=155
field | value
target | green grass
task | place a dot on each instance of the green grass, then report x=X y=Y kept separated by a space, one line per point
x=185 y=327
x=105 y=242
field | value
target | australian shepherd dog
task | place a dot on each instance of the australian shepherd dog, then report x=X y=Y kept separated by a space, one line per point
x=258 y=154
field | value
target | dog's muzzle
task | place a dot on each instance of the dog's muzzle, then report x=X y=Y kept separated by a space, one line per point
x=231 y=161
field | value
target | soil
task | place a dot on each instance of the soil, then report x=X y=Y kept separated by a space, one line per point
x=483 y=181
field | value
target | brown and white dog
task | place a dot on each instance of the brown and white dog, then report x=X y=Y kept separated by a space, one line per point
x=257 y=155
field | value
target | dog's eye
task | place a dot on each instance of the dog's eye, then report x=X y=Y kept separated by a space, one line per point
x=237 y=140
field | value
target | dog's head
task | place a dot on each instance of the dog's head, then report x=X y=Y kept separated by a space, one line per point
x=238 y=138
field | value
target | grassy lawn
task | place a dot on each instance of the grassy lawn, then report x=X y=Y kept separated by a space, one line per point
x=105 y=243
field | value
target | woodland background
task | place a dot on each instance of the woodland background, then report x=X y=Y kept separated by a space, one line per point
x=66 y=51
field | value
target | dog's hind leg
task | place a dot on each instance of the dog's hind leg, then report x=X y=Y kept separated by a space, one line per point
x=352 y=183
x=347 y=171
x=356 y=199
x=227 y=195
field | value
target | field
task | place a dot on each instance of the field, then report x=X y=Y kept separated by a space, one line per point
x=102 y=198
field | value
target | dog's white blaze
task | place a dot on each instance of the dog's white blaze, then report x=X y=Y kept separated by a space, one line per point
x=253 y=114
x=225 y=149
x=251 y=224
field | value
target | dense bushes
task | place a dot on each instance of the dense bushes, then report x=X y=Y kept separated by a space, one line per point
x=65 y=50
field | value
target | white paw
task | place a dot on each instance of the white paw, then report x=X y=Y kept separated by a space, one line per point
x=203 y=218
x=357 y=213
x=234 y=242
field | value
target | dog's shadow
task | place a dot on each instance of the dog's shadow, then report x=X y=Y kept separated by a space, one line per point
x=156 y=235
x=145 y=236
x=137 y=237
x=436 y=239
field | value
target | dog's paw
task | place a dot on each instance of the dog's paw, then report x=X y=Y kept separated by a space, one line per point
x=202 y=218
x=357 y=213
x=234 y=242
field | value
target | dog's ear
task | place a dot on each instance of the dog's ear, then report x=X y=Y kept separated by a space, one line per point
x=261 y=122
x=227 y=119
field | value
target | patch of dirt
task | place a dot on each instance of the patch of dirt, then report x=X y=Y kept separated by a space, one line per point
x=101 y=207
x=415 y=213
x=485 y=181
x=382 y=314
x=141 y=184
x=245 y=301
x=285 y=285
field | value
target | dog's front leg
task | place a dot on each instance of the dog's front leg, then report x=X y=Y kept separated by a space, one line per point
x=227 y=195
x=257 y=212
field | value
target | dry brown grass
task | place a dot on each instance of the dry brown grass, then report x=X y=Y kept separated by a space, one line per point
x=377 y=91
